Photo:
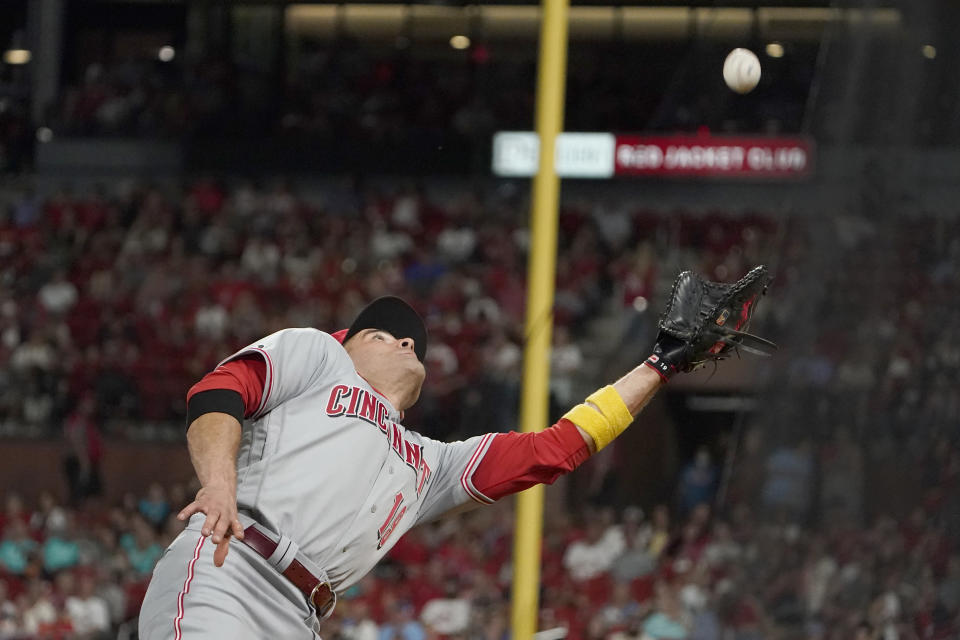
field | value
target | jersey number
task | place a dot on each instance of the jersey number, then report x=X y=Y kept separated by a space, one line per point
x=393 y=519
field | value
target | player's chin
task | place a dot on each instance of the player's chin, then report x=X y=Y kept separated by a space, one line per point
x=415 y=396
x=419 y=372
x=416 y=376
x=409 y=398
x=412 y=366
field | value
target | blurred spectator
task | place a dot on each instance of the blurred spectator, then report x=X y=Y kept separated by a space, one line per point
x=697 y=599
x=40 y=614
x=789 y=480
x=596 y=552
x=154 y=506
x=88 y=612
x=841 y=483
x=499 y=387
x=84 y=451
x=635 y=274
x=141 y=547
x=698 y=481
x=660 y=531
x=13 y=511
x=622 y=610
x=948 y=594
x=865 y=632
x=110 y=589
x=448 y=615
x=637 y=559
x=667 y=619
x=26 y=211
x=58 y=295
x=355 y=621
x=401 y=625
x=16 y=548
x=60 y=551
x=566 y=360
x=10 y=622
x=50 y=516
x=35 y=354
x=747 y=475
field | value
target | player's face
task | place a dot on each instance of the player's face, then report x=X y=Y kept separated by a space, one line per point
x=389 y=364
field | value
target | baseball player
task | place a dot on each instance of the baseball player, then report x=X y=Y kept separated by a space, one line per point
x=303 y=459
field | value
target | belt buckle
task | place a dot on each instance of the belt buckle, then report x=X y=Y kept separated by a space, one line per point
x=327 y=609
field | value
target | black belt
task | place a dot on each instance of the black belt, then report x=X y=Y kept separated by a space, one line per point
x=318 y=591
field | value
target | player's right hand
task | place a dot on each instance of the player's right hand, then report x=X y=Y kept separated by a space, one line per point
x=219 y=503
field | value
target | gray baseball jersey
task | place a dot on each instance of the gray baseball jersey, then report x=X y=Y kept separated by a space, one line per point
x=325 y=460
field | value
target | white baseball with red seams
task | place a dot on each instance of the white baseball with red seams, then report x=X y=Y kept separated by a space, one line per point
x=741 y=70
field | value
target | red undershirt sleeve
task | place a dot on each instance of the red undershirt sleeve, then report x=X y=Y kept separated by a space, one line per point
x=245 y=375
x=517 y=461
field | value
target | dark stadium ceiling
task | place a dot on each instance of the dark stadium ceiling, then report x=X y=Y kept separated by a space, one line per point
x=752 y=4
x=519 y=20
x=626 y=3
x=590 y=22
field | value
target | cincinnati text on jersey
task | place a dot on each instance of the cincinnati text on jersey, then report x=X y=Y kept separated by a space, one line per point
x=355 y=402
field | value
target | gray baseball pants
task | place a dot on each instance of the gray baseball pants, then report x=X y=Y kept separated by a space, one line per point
x=191 y=599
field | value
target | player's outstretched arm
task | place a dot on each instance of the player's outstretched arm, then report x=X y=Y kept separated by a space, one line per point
x=213 y=440
x=635 y=390
x=704 y=321
x=505 y=463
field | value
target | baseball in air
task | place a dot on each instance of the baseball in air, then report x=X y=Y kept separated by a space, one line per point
x=741 y=70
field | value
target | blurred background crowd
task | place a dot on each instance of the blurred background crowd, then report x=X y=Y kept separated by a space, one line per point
x=835 y=520
x=118 y=302
x=747 y=572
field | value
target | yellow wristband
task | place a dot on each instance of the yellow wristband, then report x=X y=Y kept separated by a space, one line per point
x=612 y=406
x=593 y=422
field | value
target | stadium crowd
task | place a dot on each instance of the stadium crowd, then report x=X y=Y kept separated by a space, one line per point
x=754 y=570
x=840 y=521
x=115 y=304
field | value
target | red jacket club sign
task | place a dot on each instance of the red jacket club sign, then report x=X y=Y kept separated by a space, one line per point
x=605 y=155
x=713 y=156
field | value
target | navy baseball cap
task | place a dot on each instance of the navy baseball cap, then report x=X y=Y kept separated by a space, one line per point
x=393 y=315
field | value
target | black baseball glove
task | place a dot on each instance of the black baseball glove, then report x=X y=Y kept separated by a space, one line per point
x=707 y=321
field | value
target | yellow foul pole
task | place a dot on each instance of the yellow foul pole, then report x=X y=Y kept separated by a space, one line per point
x=541 y=269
